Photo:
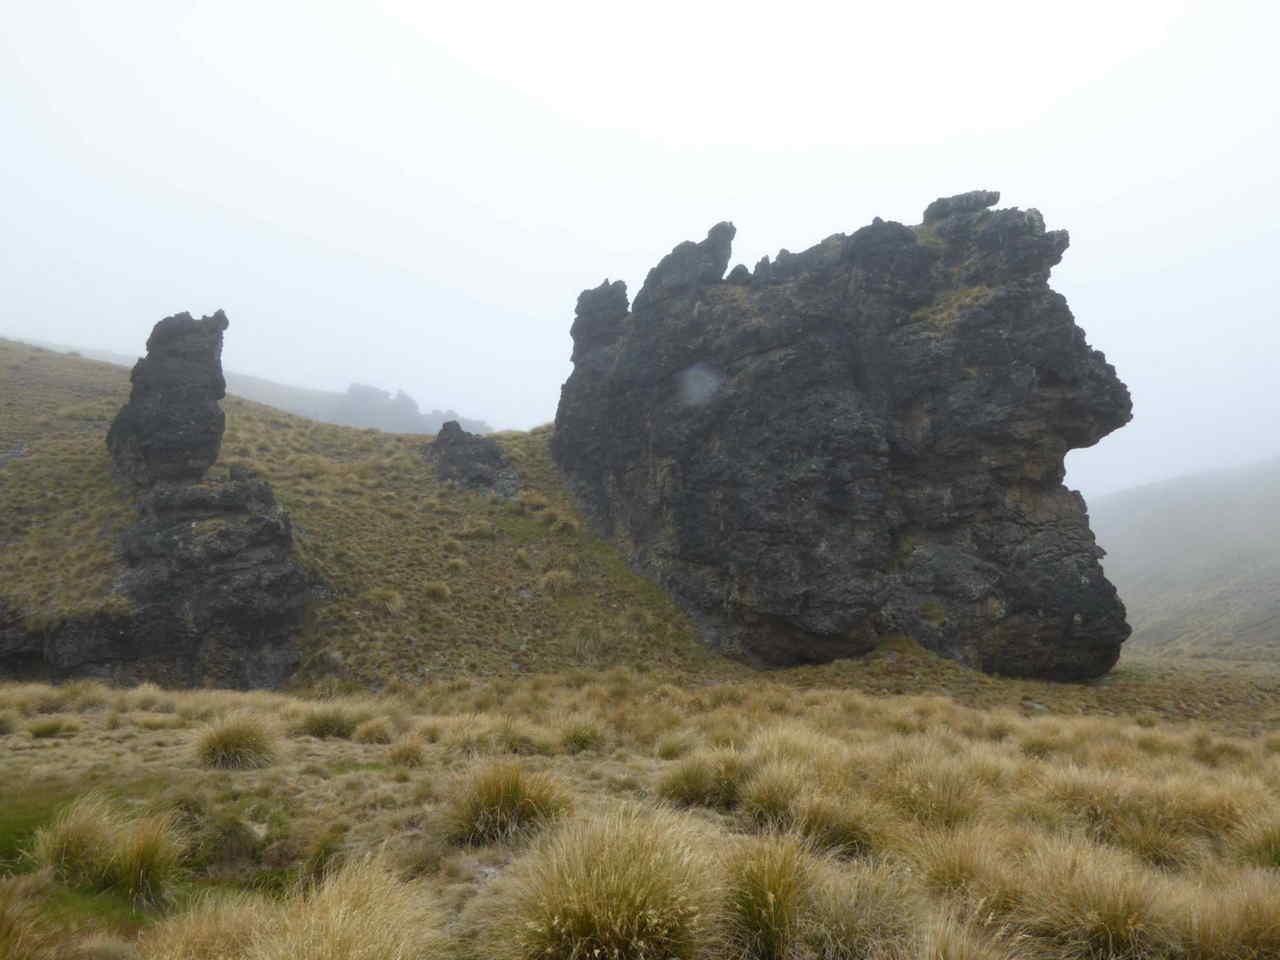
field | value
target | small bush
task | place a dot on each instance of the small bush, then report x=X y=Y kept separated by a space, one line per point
x=631 y=885
x=500 y=802
x=770 y=883
x=710 y=778
x=8 y=723
x=377 y=730
x=329 y=722
x=239 y=741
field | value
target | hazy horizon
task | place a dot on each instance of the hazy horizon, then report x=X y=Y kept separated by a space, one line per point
x=412 y=198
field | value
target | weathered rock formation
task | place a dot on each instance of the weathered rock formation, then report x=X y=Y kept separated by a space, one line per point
x=171 y=428
x=861 y=440
x=474 y=462
x=210 y=594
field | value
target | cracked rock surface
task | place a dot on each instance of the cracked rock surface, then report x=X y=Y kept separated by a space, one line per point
x=861 y=440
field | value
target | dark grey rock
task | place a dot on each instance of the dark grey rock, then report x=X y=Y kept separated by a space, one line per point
x=688 y=266
x=866 y=441
x=475 y=463
x=171 y=428
x=213 y=597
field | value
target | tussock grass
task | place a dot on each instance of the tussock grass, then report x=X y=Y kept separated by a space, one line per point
x=503 y=801
x=408 y=751
x=634 y=884
x=375 y=730
x=93 y=845
x=770 y=887
x=927 y=829
x=330 y=721
x=238 y=741
x=216 y=926
x=711 y=778
x=359 y=912
x=25 y=933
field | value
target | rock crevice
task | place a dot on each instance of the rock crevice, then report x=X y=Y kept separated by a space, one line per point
x=860 y=440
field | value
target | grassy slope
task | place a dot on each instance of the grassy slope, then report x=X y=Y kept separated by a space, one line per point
x=424 y=578
x=1197 y=561
x=373 y=523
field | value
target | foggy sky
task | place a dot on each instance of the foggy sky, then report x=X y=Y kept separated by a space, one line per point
x=411 y=196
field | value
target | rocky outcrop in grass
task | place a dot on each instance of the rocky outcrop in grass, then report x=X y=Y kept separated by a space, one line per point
x=171 y=428
x=205 y=591
x=861 y=440
x=473 y=462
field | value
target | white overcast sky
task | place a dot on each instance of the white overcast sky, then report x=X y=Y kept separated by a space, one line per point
x=412 y=195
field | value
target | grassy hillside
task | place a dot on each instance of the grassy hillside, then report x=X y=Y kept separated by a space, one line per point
x=1197 y=562
x=553 y=816
x=421 y=578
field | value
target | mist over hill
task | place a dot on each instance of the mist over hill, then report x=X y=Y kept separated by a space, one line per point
x=1197 y=562
x=361 y=405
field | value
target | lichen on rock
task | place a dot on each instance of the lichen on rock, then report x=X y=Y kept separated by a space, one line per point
x=861 y=440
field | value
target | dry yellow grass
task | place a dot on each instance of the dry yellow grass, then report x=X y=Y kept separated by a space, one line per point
x=902 y=827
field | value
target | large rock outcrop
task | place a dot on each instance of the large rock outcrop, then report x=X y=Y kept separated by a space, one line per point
x=171 y=428
x=861 y=440
x=208 y=593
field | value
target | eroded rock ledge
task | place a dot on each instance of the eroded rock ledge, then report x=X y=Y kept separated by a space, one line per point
x=860 y=440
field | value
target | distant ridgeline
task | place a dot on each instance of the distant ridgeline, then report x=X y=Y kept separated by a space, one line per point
x=1197 y=563
x=360 y=406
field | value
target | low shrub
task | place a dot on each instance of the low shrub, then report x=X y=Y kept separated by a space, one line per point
x=500 y=802
x=238 y=741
